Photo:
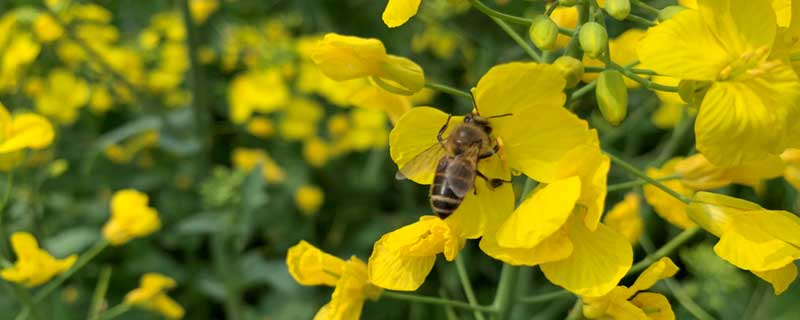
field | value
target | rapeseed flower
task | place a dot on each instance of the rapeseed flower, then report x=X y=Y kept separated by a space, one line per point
x=346 y=57
x=625 y=218
x=63 y=97
x=751 y=104
x=21 y=131
x=34 y=266
x=247 y=159
x=246 y=95
x=309 y=199
x=130 y=217
x=202 y=9
x=151 y=295
x=664 y=204
x=765 y=242
x=397 y=12
x=310 y=266
x=629 y=303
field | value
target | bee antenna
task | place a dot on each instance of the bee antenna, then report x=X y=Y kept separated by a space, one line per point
x=475 y=103
x=500 y=115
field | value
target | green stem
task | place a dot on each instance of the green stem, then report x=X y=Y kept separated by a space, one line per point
x=434 y=300
x=98 y=298
x=665 y=250
x=545 y=297
x=646 y=7
x=504 y=298
x=519 y=40
x=199 y=90
x=637 y=19
x=636 y=183
x=633 y=76
x=448 y=89
x=449 y=312
x=634 y=70
x=580 y=92
x=576 y=312
x=82 y=261
x=116 y=311
x=499 y=15
x=467 y=285
x=636 y=172
x=222 y=263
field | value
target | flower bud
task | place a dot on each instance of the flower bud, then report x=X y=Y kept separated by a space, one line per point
x=668 y=12
x=543 y=32
x=619 y=9
x=571 y=69
x=612 y=96
x=693 y=92
x=594 y=39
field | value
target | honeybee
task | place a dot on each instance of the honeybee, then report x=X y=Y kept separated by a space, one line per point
x=456 y=157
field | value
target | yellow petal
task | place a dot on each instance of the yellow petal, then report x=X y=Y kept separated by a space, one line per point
x=625 y=310
x=352 y=289
x=534 y=141
x=780 y=278
x=397 y=12
x=665 y=205
x=554 y=248
x=517 y=87
x=715 y=212
x=655 y=305
x=683 y=47
x=164 y=305
x=661 y=269
x=541 y=215
x=739 y=25
x=783 y=12
x=413 y=134
x=747 y=245
x=310 y=266
x=599 y=260
x=742 y=122
x=624 y=217
x=700 y=174
x=588 y=163
x=28 y=131
x=347 y=57
x=472 y=216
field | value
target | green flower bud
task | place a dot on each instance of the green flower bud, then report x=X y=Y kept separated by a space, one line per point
x=593 y=38
x=668 y=12
x=619 y=9
x=543 y=32
x=567 y=3
x=693 y=92
x=571 y=68
x=612 y=96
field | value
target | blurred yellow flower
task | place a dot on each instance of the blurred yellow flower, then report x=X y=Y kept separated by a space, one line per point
x=665 y=205
x=26 y=130
x=310 y=266
x=247 y=159
x=373 y=98
x=18 y=53
x=300 y=120
x=628 y=303
x=151 y=295
x=751 y=104
x=440 y=41
x=246 y=93
x=101 y=100
x=65 y=94
x=765 y=242
x=308 y=199
x=130 y=217
x=624 y=217
x=316 y=152
x=345 y=58
x=47 y=29
x=402 y=259
x=202 y=9
x=34 y=266
x=261 y=127
x=397 y=12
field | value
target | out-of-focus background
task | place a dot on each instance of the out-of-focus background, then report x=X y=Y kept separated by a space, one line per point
x=247 y=149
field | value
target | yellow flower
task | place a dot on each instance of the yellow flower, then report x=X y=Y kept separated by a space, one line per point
x=665 y=205
x=402 y=259
x=101 y=100
x=765 y=242
x=27 y=130
x=300 y=120
x=397 y=12
x=622 y=50
x=308 y=199
x=34 y=266
x=345 y=58
x=247 y=159
x=19 y=52
x=64 y=96
x=310 y=266
x=565 y=17
x=151 y=295
x=537 y=135
x=47 y=29
x=202 y=9
x=630 y=304
x=246 y=94
x=316 y=152
x=130 y=217
x=751 y=104
x=261 y=127
x=624 y=217
x=699 y=174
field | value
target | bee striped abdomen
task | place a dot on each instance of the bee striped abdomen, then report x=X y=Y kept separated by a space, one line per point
x=452 y=181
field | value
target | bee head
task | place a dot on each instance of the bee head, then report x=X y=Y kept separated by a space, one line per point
x=476 y=119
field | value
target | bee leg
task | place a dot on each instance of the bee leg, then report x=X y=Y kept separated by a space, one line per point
x=443 y=129
x=490 y=153
x=491 y=183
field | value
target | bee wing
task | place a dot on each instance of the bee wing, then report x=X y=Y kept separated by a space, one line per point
x=424 y=162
